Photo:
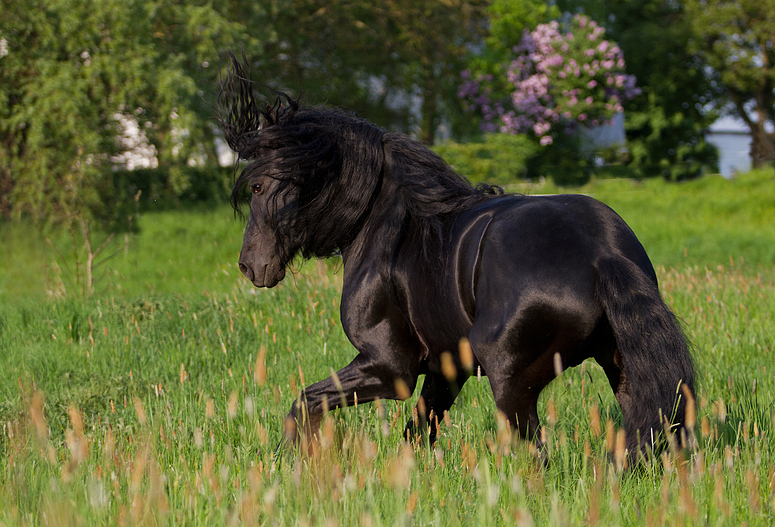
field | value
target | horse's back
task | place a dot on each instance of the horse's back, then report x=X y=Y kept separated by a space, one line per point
x=535 y=276
x=515 y=265
x=536 y=235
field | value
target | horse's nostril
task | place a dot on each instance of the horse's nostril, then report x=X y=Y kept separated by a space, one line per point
x=247 y=271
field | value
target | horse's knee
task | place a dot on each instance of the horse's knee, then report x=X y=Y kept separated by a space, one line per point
x=522 y=415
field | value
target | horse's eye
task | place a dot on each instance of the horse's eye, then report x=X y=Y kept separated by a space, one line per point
x=255 y=189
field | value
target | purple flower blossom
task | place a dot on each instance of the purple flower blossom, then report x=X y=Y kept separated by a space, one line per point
x=548 y=96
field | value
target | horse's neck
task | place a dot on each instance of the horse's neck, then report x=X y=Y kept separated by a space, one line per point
x=382 y=232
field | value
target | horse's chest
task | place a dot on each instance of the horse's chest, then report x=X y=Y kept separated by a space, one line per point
x=402 y=315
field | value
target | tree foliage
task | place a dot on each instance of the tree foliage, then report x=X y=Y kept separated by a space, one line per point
x=737 y=40
x=666 y=123
x=74 y=74
x=381 y=59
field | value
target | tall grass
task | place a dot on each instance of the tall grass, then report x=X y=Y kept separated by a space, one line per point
x=160 y=400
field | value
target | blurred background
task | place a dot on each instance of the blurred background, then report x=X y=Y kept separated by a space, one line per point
x=107 y=107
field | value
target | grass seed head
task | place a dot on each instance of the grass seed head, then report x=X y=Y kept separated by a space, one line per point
x=557 y=364
x=37 y=416
x=231 y=407
x=448 y=368
x=620 y=450
x=691 y=412
x=402 y=390
x=466 y=355
x=259 y=370
x=551 y=412
x=140 y=410
x=594 y=420
x=609 y=435
x=398 y=471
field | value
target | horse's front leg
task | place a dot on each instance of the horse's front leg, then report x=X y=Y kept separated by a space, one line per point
x=363 y=379
x=437 y=396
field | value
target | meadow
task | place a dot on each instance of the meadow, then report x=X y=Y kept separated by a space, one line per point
x=160 y=399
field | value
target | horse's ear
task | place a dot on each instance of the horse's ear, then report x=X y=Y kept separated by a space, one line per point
x=270 y=116
x=282 y=111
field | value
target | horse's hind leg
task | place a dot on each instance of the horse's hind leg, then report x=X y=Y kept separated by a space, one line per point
x=518 y=403
x=516 y=382
x=611 y=362
x=437 y=396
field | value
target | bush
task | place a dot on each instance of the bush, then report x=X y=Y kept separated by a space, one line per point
x=179 y=184
x=130 y=191
x=497 y=159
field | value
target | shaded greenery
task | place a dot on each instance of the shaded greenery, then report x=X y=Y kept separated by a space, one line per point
x=737 y=41
x=151 y=189
x=666 y=123
x=499 y=159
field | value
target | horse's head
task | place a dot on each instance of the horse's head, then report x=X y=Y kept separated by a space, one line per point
x=311 y=180
x=262 y=259
x=267 y=182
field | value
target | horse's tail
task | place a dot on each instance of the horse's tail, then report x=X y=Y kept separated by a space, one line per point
x=653 y=359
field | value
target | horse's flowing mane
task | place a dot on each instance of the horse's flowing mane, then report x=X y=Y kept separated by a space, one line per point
x=333 y=163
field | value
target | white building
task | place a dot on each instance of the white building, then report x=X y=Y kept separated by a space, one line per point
x=733 y=139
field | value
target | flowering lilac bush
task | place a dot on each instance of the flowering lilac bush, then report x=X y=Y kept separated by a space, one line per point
x=558 y=80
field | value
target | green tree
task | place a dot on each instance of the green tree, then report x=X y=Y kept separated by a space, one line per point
x=52 y=120
x=374 y=58
x=325 y=51
x=737 y=39
x=74 y=72
x=431 y=41
x=666 y=123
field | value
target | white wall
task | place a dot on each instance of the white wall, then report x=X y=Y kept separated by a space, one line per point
x=733 y=140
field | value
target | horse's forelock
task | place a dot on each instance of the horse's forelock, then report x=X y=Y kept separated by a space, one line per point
x=242 y=116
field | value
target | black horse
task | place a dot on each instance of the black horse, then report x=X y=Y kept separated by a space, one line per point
x=428 y=259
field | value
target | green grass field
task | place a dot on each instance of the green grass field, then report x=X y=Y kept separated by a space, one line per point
x=151 y=402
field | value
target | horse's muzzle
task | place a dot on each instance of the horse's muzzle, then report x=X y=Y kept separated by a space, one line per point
x=266 y=275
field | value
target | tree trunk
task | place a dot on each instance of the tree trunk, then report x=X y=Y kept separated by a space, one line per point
x=6 y=187
x=762 y=146
x=762 y=143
